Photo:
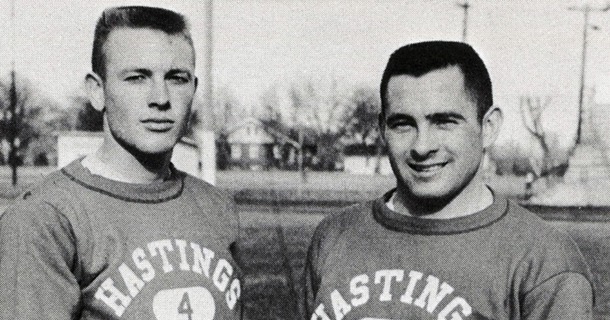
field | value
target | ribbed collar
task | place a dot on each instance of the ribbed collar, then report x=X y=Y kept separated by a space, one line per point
x=399 y=222
x=143 y=193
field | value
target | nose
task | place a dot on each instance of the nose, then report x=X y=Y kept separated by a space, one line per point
x=425 y=144
x=159 y=95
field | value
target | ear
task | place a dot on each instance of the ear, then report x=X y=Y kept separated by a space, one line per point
x=95 y=90
x=492 y=122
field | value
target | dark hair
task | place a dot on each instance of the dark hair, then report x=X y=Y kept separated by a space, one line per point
x=112 y=18
x=420 y=58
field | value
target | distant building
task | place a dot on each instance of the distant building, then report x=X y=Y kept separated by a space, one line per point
x=251 y=146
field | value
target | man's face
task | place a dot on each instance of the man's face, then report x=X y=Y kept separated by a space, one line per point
x=148 y=88
x=434 y=138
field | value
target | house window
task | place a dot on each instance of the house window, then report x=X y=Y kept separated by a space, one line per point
x=236 y=152
x=253 y=151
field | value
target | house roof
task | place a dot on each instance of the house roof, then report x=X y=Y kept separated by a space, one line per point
x=268 y=131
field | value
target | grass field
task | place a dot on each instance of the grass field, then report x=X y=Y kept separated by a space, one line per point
x=277 y=231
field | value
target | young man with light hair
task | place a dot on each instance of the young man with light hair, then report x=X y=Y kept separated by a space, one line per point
x=442 y=244
x=121 y=233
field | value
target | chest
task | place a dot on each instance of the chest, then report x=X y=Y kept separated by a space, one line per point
x=415 y=277
x=163 y=261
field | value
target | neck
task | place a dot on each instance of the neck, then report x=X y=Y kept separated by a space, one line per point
x=113 y=162
x=471 y=199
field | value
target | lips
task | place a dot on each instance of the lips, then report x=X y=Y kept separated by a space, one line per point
x=427 y=167
x=158 y=124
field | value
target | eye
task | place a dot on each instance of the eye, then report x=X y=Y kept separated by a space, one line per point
x=179 y=79
x=400 y=124
x=135 y=78
x=445 y=123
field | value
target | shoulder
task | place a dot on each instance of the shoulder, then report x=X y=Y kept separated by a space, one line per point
x=49 y=204
x=205 y=190
x=548 y=251
x=336 y=224
x=55 y=190
x=216 y=205
x=534 y=230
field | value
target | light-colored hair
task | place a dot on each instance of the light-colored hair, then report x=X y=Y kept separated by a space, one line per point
x=135 y=17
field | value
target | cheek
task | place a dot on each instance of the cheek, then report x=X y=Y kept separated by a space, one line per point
x=467 y=143
x=181 y=100
x=398 y=142
x=122 y=114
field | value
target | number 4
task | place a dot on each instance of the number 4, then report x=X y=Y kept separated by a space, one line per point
x=185 y=306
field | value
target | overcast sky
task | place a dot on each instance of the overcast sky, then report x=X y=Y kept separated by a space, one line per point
x=531 y=47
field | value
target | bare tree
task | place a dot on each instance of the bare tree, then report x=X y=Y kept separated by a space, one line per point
x=26 y=115
x=362 y=121
x=320 y=109
x=225 y=116
x=552 y=163
x=17 y=125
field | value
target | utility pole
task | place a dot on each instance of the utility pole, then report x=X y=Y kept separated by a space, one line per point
x=464 y=5
x=206 y=139
x=586 y=9
x=12 y=117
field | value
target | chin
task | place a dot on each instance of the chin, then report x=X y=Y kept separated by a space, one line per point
x=156 y=150
x=149 y=149
x=430 y=193
x=158 y=146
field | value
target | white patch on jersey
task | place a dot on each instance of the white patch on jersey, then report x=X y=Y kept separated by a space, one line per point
x=194 y=303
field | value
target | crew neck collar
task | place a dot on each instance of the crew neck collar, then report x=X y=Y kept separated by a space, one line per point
x=400 y=222
x=132 y=192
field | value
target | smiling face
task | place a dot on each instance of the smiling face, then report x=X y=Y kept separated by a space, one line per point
x=147 y=90
x=435 y=141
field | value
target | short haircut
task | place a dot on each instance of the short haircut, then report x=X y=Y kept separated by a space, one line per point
x=420 y=58
x=136 y=17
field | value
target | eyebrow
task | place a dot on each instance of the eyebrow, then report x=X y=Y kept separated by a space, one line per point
x=433 y=116
x=138 y=70
x=397 y=116
x=178 y=70
x=445 y=115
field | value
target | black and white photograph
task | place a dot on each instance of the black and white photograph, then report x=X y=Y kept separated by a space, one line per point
x=305 y=159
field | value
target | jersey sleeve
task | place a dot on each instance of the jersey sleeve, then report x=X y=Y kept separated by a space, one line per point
x=558 y=283
x=37 y=259
x=324 y=234
x=310 y=276
x=567 y=296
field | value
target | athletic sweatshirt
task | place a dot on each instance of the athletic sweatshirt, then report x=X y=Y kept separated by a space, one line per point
x=503 y=262
x=79 y=246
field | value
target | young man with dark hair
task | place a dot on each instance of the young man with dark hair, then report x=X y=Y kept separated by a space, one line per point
x=121 y=233
x=441 y=245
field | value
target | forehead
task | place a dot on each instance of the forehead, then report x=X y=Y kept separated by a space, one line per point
x=441 y=90
x=147 y=48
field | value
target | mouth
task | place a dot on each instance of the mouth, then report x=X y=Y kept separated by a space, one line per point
x=427 y=168
x=158 y=124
